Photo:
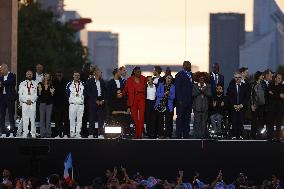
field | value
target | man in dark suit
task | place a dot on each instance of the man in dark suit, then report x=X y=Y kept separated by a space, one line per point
x=96 y=94
x=184 y=83
x=216 y=78
x=8 y=96
x=113 y=85
x=238 y=96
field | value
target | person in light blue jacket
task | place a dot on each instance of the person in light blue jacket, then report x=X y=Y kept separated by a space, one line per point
x=165 y=107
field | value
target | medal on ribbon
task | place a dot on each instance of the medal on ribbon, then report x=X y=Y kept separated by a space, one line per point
x=77 y=89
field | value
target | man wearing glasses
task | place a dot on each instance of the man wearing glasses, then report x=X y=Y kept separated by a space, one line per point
x=238 y=96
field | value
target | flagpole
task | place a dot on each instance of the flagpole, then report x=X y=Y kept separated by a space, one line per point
x=72 y=173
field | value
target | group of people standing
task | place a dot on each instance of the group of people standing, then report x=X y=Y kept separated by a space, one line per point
x=82 y=107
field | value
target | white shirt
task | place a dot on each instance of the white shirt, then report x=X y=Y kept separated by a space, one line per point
x=156 y=80
x=98 y=84
x=117 y=83
x=39 y=77
x=216 y=77
x=5 y=78
x=151 y=92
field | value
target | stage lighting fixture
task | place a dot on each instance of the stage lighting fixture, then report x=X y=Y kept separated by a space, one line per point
x=263 y=131
x=113 y=130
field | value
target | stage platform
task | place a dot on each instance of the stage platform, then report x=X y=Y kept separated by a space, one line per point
x=161 y=158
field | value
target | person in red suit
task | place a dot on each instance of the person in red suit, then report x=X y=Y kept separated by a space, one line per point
x=135 y=89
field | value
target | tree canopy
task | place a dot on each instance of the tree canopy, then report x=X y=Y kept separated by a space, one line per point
x=42 y=39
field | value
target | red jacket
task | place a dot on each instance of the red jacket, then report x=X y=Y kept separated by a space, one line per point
x=129 y=88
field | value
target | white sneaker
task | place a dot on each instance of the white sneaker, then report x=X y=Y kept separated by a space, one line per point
x=90 y=136
x=33 y=135
x=11 y=135
x=101 y=137
x=3 y=136
x=65 y=136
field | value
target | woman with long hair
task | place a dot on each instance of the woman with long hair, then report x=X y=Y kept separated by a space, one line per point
x=135 y=89
x=45 y=100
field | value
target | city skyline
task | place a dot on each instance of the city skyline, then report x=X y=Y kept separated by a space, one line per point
x=155 y=31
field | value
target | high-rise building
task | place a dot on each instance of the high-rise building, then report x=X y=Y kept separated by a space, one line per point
x=103 y=51
x=227 y=33
x=265 y=47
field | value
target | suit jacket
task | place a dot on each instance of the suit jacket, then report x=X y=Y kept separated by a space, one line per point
x=201 y=99
x=244 y=94
x=9 y=85
x=91 y=91
x=213 y=82
x=112 y=88
x=184 y=83
x=129 y=89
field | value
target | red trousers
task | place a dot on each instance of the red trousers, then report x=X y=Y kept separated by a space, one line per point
x=137 y=114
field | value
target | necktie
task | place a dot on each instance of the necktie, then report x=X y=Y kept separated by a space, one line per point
x=238 y=93
x=217 y=79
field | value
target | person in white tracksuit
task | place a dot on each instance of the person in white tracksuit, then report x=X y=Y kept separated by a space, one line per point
x=75 y=92
x=28 y=97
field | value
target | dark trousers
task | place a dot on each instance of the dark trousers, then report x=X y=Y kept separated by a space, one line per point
x=61 y=120
x=96 y=114
x=275 y=117
x=257 y=121
x=237 y=123
x=150 y=118
x=183 y=120
x=165 y=123
x=4 y=105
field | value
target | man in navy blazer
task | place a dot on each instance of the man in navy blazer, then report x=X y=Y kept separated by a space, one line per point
x=184 y=83
x=216 y=78
x=113 y=85
x=238 y=96
x=8 y=96
x=95 y=97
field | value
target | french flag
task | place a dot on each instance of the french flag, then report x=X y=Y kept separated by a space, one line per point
x=67 y=166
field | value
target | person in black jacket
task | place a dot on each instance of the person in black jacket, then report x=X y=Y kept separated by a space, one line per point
x=8 y=95
x=238 y=95
x=257 y=102
x=218 y=108
x=113 y=85
x=275 y=107
x=60 y=106
x=95 y=99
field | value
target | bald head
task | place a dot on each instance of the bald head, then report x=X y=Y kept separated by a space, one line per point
x=4 y=69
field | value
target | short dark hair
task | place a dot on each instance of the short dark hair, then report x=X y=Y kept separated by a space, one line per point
x=54 y=179
x=149 y=77
x=243 y=69
x=219 y=85
x=158 y=69
x=257 y=75
x=267 y=71
x=114 y=71
x=76 y=71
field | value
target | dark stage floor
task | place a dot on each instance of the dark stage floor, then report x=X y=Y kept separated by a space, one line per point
x=161 y=158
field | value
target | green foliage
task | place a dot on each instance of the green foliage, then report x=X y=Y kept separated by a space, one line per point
x=43 y=39
x=280 y=70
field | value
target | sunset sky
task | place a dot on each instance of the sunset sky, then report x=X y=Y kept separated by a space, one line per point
x=153 y=31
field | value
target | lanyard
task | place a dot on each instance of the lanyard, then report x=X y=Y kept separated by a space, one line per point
x=29 y=87
x=77 y=89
